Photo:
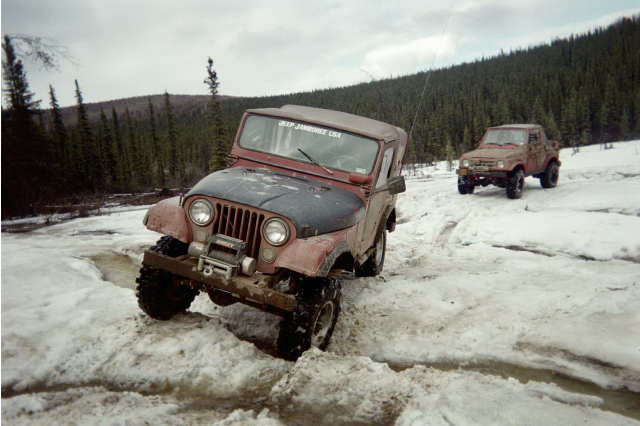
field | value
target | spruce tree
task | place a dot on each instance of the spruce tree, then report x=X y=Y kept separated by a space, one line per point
x=91 y=164
x=176 y=167
x=24 y=148
x=121 y=155
x=155 y=145
x=107 y=151
x=636 y=127
x=58 y=130
x=215 y=122
x=137 y=167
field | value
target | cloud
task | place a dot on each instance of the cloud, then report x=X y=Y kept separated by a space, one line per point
x=126 y=48
x=409 y=57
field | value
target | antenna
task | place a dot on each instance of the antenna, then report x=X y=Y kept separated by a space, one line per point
x=381 y=108
x=428 y=76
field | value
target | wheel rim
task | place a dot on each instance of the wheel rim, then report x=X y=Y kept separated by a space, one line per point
x=322 y=324
x=380 y=249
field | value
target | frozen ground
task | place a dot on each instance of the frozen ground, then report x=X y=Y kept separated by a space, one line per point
x=489 y=311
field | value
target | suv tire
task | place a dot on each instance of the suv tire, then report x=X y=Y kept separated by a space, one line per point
x=515 y=184
x=313 y=321
x=158 y=295
x=374 y=264
x=464 y=187
x=549 y=178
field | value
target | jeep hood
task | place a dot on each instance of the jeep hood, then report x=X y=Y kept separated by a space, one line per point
x=315 y=208
x=493 y=153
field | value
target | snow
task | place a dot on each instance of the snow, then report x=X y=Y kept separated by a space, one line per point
x=476 y=288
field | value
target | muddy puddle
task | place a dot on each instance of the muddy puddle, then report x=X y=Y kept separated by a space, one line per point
x=117 y=268
x=623 y=402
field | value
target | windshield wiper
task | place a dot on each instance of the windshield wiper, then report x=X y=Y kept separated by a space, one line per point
x=315 y=162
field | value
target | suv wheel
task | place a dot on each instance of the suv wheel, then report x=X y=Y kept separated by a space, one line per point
x=374 y=264
x=549 y=178
x=464 y=187
x=313 y=321
x=158 y=295
x=515 y=184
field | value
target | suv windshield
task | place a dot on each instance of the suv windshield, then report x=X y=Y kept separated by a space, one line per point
x=505 y=137
x=292 y=139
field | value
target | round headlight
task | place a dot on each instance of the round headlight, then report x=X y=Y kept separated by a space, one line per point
x=465 y=163
x=201 y=212
x=501 y=164
x=276 y=231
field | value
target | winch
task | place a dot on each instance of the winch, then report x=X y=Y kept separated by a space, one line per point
x=223 y=255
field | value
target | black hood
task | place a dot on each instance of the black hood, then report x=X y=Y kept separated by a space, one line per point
x=315 y=208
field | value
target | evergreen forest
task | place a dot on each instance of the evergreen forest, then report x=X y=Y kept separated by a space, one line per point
x=584 y=89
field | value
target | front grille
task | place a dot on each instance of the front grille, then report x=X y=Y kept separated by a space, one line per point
x=484 y=163
x=242 y=223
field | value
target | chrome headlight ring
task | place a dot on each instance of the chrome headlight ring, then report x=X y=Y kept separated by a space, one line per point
x=465 y=163
x=276 y=231
x=500 y=164
x=201 y=212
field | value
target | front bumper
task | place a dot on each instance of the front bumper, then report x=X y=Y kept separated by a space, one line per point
x=249 y=290
x=465 y=171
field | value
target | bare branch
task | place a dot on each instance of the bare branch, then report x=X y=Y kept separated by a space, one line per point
x=42 y=50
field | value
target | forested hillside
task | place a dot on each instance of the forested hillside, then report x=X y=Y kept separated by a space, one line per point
x=584 y=89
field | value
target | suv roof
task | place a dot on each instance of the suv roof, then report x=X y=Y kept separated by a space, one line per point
x=340 y=120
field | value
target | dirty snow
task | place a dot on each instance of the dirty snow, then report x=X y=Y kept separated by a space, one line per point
x=474 y=287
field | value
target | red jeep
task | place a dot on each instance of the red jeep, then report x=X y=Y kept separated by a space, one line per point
x=310 y=193
x=506 y=155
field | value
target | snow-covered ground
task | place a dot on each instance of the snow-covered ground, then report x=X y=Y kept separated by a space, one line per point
x=489 y=311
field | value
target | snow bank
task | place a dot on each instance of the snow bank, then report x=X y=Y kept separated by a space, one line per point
x=62 y=324
x=548 y=282
x=356 y=390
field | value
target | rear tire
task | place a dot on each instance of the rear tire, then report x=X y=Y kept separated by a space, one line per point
x=549 y=178
x=158 y=295
x=374 y=264
x=515 y=184
x=313 y=321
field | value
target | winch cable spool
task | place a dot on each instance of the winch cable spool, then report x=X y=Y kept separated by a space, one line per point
x=428 y=76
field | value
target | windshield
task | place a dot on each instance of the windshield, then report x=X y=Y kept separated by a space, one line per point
x=293 y=139
x=505 y=137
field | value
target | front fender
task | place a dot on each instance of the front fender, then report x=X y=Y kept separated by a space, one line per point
x=313 y=256
x=550 y=159
x=168 y=217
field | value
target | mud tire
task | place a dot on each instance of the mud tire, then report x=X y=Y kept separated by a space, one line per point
x=464 y=187
x=549 y=178
x=374 y=264
x=515 y=185
x=313 y=321
x=158 y=295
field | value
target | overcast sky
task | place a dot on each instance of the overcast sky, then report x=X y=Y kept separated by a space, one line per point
x=124 y=48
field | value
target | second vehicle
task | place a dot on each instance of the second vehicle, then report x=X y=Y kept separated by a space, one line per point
x=506 y=155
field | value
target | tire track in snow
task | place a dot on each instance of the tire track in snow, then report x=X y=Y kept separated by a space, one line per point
x=623 y=402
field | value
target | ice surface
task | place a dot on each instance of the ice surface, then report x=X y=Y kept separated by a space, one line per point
x=549 y=282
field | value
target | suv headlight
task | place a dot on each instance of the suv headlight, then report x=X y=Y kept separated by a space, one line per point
x=201 y=212
x=276 y=231
x=500 y=164
x=465 y=163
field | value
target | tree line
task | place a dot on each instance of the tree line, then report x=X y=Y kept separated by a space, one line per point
x=584 y=89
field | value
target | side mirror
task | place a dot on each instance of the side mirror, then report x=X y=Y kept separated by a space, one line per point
x=395 y=185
